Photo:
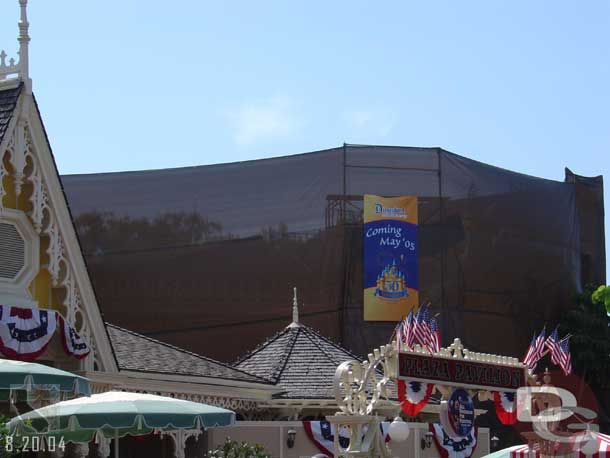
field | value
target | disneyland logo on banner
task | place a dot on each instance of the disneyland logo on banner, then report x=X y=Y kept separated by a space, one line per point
x=390 y=212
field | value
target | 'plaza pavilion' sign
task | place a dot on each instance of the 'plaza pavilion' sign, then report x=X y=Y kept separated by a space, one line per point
x=460 y=372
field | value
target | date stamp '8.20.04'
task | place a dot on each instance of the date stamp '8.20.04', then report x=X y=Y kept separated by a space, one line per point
x=11 y=443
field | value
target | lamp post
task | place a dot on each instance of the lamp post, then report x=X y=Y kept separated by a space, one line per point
x=362 y=399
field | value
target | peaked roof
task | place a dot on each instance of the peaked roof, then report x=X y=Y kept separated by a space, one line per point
x=299 y=360
x=8 y=102
x=16 y=102
x=135 y=352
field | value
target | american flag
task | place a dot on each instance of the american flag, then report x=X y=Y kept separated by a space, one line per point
x=434 y=342
x=398 y=334
x=408 y=330
x=564 y=356
x=421 y=328
x=535 y=350
x=552 y=343
x=528 y=359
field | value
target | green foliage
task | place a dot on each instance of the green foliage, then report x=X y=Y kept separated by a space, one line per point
x=590 y=343
x=8 y=447
x=100 y=232
x=602 y=296
x=234 y=449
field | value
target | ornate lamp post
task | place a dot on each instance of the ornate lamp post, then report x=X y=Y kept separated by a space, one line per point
x=361 y=394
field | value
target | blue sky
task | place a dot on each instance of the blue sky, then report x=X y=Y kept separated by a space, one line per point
x=138 y=85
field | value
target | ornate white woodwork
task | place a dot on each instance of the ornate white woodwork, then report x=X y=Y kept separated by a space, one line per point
x=3 y=173
x=457 y=350
x=235 y=404
x=11 y=68
x=55 y=251
x=179 y=437
x=359 y=387
x=21 y=68
x=39 y=201
x=43 y=219
x=18 y=155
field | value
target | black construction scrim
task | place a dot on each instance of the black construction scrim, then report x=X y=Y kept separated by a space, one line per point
x=206 y=257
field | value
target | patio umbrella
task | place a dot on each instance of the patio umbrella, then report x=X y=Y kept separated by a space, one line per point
x=18 y=375
x=116 y=414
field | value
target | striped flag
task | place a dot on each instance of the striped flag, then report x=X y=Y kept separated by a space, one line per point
x=535 y=350
x=421 y=329
x=528 y=359
x=564 y=356
x=552 y=343
x=398 y=334
x=408 y=329
x=434 y=344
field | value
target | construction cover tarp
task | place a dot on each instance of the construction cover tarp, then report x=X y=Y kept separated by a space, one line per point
x=196 y=256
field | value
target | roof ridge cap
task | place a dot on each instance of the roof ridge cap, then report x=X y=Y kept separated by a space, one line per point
x=286 y=355
x=182 y=350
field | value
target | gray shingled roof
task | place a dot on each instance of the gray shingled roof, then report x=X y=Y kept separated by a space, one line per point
x=8 y=102
x=135 y=352
x=300 y=361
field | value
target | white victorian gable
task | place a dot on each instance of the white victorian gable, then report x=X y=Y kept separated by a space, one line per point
x=41 y=264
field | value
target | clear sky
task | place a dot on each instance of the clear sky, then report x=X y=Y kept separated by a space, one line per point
x=129 y=85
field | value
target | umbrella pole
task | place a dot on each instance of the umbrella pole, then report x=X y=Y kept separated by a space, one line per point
x=116 y=443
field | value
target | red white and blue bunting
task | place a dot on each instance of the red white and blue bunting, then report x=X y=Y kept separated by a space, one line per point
x=451 y=448
x=322 y=434
x=73 y=344
x=25 y=333
x=414 y=396
x=506 y=407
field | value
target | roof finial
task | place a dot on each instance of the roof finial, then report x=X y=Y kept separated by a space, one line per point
x=295 y=310
x=22 y=68
x=24 y=41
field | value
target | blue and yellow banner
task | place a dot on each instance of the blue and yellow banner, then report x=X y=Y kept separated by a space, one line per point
x=390 y=257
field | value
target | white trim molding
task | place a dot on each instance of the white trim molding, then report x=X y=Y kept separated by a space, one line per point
x=31 y=163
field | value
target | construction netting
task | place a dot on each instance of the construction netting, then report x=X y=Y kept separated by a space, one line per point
x=206 y=257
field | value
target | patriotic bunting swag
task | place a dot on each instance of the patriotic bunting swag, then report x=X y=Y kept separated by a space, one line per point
x=413 y=396
x=506 y=408
x=25 y=333
x=322 y=434
x=73 y=344
x=449 y=448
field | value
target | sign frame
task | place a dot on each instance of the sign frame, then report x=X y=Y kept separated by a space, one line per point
x=469 y=369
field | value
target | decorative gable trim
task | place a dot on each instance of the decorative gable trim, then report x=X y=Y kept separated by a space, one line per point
x=32 y=162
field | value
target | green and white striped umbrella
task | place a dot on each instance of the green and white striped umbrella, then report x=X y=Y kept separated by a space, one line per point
x=18 y=375
x=117 y=414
